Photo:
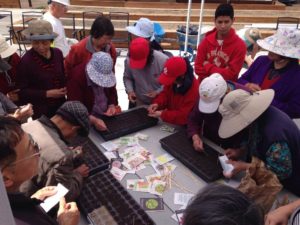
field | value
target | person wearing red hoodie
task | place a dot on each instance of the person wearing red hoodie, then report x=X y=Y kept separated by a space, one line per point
x=179 y=94
x=221 y=51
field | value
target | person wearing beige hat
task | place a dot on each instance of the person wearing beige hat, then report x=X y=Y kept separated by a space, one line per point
x=279 y=70
x=9 y=59
x=40 y=74
x=264 y=132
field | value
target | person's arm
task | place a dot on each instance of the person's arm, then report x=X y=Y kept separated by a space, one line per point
x=111 y=95
x=235 y=64
x=281 y=215
x=127 y=77
x=70 y=60
x=200 y=59
x=279 y=160
x=162 y=98
x=195 y=121
x=64 y=172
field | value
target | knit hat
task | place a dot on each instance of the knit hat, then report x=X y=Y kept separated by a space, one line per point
x=142 y=28
x=211 y=91
x=99 y=69
x=6 y=50
x=240 y=108
x=174 y=67
x=77 y=114
x=285 y=42
x=39 y=30
x=139 y=50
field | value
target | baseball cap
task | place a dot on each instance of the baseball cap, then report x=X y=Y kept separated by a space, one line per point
x=143 y=28
x=211 y=91
x=174 y=67
x=139 y=50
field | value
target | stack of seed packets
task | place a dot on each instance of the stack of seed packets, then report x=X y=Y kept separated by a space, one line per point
x=181 y=199
x=153 y=186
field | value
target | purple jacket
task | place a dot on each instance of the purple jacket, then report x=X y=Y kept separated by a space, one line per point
x=287 y=91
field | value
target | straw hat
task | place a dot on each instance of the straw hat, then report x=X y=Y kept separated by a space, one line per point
x=285 y=42
x=6 y=50
x=39 y=30
x=240 y=108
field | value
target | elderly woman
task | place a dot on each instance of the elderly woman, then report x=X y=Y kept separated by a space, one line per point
x=40 y=74
x=264 y=132
x=279 y=70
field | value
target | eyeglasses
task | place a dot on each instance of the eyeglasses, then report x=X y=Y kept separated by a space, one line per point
x=32 y=144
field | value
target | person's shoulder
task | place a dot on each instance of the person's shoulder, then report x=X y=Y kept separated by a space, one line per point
x=158 y=55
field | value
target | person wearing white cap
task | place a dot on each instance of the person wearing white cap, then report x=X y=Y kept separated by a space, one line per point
x=265 y=132
x=9 y=59
x=279 y=70
x=57 y=9
x=204 y=120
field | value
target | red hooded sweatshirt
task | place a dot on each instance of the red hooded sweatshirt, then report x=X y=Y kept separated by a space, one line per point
x=226 y=59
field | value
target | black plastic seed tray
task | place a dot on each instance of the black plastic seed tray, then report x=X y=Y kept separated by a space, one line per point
x=127 y=123
x=103 y=189
x=92 y=156
x=205 y=165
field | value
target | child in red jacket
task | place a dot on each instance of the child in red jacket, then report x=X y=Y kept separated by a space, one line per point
x=179 y=94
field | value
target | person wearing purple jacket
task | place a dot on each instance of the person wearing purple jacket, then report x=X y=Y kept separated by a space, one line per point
x=279 y=70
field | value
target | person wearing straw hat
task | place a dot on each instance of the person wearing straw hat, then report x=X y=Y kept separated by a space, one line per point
x=9 y=59
x=94 y=88
x=40 y=74
x=265 y=132
x=221 y=51
x=279 y=70
x=179 y=94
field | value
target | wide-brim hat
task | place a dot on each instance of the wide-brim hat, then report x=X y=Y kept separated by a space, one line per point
x=101 y=79
x=285 y=42
x=39 y=30
x=6 y=50
x=240 y=108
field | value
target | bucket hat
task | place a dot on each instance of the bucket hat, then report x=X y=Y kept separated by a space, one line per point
x=143 y=28
x=6 y=50
x=285 y=42
x=211 y=91
x=100 y=69
x=240 y=108
x=39 y=30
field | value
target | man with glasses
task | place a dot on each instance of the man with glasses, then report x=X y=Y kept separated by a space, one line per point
x=57 y=9
x=19 y=158
x=57 y=159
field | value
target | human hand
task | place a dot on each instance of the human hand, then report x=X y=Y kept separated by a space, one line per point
x=132 y=96
x=152 y=94
x=24 y=112
x=197 y=143
x=68 y=213
x=13 y=95
x=111 y=110
x=152 y=108
x=56 y=93
x=99 y=124
x=44 y=193
x=253 y=87
x=155 y=114
x=83 y=170
x=279 y=216
x=234 y=153
x=238 y=166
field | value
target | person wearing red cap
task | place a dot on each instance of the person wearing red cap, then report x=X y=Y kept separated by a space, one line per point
x=179 y=94
x=142 y=68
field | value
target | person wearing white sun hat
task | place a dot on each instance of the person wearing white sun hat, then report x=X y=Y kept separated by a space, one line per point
x=9 y=59
x=57 y=9
x=264 y=132
x=204 y=120
x=279 y=70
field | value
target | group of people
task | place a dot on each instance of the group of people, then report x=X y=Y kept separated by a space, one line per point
x=67 y=88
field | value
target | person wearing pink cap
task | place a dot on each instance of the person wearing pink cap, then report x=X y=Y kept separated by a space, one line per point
x=179 y=94
x=143 y=66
